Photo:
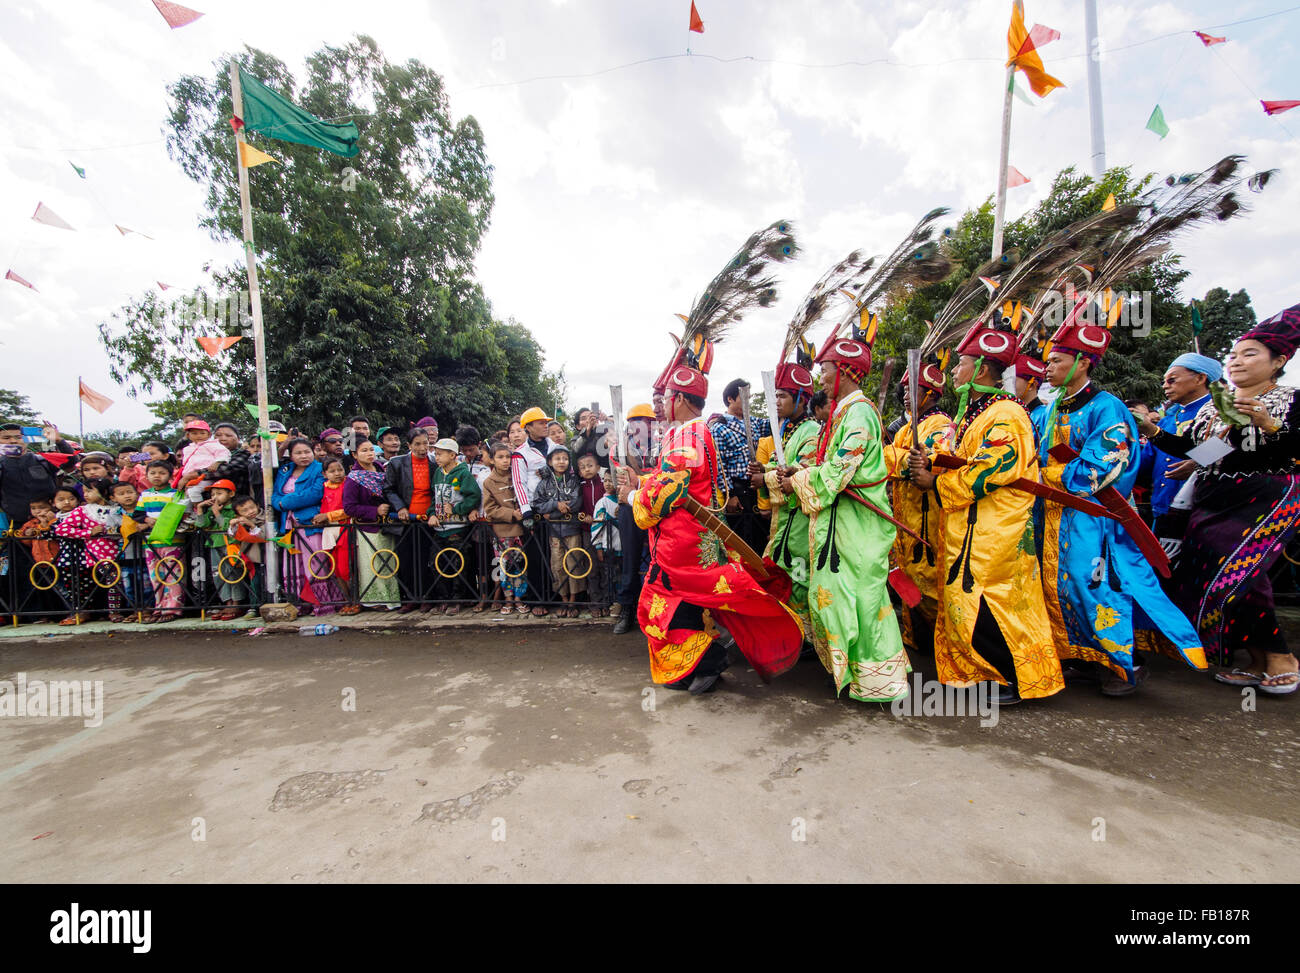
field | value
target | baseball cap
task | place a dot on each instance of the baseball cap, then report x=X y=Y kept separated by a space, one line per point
x=197 y=424
x=447 y=443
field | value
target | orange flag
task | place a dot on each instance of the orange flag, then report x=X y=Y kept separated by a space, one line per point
x=1022 y=52
x=215 y=346
x=250 y=155
x=94 y=399
x=697 y=25
x=1015 y=177
x=175 y=14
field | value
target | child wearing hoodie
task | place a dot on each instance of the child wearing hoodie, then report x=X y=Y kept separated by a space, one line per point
x=559 y=501
x=501 y=510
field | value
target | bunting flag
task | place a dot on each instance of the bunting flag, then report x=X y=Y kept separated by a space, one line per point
x=1207 y=39
x=1157 y=122
x=95 y=400
x=215 y=346
x=10 y=275
x=1015 y=177
x=47 y=216
x=1019 y=92
x=1274 y=107
x=275 y=116
x=252 y=409
x=697 y=25
x=1039 y=36
x=1022 y=52
x=175 y=14
x=80 y=171
x=1109 y=205
x=236 y=123
x=250 y=155
x=124 y=230
x=165 y=287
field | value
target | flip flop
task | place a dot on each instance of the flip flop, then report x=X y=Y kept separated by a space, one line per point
x=1285 y=690
x=1238 y=677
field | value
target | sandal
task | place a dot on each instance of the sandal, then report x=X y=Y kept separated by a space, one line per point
x=522 y=609
x=507 y=610
x=1239 y=677
x=479 y=609
x=1282 y=689
x=163 y=617
x=350 y=610
x=452 y=610
x=150 y=618
x=540 y=612
x=117 y=618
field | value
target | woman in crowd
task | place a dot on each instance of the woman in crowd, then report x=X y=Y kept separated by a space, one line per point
x=236 y=468
x=364 y=502
x=1245 y=509
x=299 y=489
x=408 y=489
x=334 y=538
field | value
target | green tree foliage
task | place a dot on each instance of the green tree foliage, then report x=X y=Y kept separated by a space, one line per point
x=14 y=407
x=1226 y=318
x=368 y=295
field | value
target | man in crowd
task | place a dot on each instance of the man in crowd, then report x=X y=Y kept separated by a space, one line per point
x=738 y=463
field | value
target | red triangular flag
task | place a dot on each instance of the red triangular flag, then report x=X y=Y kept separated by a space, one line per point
x=214 y=346
x=10 y=275
x=1015 y=177
x=175 y=14
x=236 y=123
x=1208 y=39
x=1274 y=107
x=697 y=25
x=1038 y=36
x=95 y=400
x=58 y=459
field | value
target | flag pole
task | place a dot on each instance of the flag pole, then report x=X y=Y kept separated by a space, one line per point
x=259 y=340
x=999 y=213
x=1096 y=125
x=81 y=415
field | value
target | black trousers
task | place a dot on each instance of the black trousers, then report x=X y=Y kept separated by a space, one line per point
x=635 y=545
x=714 y=661
x=991 y=644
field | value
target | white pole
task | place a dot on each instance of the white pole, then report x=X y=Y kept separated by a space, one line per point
x=999 y=213
x=259 y=342
x=1093 y=55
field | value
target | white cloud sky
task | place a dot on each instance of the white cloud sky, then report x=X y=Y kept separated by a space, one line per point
x=619 y=196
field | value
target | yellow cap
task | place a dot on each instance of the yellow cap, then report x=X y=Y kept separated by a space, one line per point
x=643 y=410
x=532 y=415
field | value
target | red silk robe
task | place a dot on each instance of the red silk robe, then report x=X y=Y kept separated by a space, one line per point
x=689 y=564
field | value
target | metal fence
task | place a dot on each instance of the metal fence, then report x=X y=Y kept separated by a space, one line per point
x=374 y=566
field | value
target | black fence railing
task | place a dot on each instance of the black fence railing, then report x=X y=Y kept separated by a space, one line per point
x=555 y=565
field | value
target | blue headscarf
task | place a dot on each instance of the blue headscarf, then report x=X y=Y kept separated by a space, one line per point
x=1207 y=366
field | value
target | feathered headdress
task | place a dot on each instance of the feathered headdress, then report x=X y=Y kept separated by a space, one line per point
x=796 y=376
x=918 y=260
x=1181 y=203
x=740 y=286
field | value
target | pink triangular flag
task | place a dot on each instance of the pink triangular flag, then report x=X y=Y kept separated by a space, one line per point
x=10 y=275
x=96 y=400
x=1038 y=36
x=1015 y=177
x=175 y=14
x=1274 y=107
x=124 y=230
x=47 y=216
x=1208 y=39
x=165 y=287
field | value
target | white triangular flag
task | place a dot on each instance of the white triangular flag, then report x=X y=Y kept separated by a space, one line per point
x=47 y=216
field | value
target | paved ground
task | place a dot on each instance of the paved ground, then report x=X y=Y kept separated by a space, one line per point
x=534 y=753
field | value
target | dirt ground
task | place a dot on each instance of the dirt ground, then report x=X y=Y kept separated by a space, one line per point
x=538 y=753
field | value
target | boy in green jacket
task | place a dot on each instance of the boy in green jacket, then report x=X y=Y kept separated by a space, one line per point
x=455 y=494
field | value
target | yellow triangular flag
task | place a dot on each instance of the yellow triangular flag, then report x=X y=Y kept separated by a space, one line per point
x=1109 y=205
x=251 y=155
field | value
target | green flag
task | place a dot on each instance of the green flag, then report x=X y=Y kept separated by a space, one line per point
x=80 y=171
x=1157 y=122
x=1197 y=324
x=276 y=116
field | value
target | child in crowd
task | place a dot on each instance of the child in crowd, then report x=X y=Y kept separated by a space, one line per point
x=161 y=558
x=203 y=453
x=605 y=539
x=501 y=510
x=334 y=538
x=130 y=467
x=454 y=496
x=559 y=501
x=592 y=492
x=213 y=517
x=246 y=538
x=83 y=520
x=471 y=454
x=38 y=534
x=130 y=559
x=94 y=466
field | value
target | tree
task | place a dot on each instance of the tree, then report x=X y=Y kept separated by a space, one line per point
x=1226 y=318
x=368 y=294
x=14 y=407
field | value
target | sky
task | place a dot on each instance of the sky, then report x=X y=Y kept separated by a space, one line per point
x=619 y=195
